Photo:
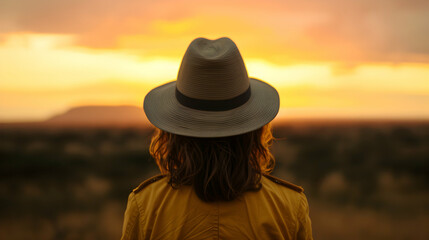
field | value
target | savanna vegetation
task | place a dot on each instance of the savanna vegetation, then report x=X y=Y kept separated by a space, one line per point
x=363 y=180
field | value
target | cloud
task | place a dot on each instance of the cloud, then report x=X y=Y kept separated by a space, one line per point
x=332 y=30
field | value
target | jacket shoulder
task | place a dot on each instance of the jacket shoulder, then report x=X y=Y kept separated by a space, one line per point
x=148 y=182
x=284 y=183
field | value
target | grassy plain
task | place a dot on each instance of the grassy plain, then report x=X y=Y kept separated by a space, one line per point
x=364 y=180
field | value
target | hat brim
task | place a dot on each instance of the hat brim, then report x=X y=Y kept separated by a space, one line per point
x=165 y=112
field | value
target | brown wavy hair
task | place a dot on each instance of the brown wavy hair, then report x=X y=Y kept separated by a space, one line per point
x=217 y=168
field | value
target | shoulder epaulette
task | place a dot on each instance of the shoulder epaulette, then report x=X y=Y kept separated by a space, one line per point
x=147 y=182
x=285 y=183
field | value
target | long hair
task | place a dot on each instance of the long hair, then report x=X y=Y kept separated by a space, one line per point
x=217 y=168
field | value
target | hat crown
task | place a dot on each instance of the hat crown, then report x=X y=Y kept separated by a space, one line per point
x=212 y=70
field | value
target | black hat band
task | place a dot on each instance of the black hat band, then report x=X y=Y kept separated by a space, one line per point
x=213 y=105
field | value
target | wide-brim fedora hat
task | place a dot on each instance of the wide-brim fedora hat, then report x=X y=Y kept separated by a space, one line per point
x=213 y=95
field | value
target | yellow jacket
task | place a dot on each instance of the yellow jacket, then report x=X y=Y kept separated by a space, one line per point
x=156 y=211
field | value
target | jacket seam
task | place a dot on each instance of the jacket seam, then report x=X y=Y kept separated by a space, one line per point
x=140 y=212
x=132 y=222
x=301 y=213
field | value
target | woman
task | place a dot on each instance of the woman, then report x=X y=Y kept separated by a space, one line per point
x=212 y=147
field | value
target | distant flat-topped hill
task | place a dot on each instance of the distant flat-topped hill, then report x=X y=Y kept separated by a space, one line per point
x=101 y=115
x=125 y=116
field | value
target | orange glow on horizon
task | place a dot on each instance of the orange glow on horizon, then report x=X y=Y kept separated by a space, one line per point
x=318 y=60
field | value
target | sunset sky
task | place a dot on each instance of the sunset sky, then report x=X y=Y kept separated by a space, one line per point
x=353 y=59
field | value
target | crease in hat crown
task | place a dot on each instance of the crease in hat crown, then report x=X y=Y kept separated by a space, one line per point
x=212 y=70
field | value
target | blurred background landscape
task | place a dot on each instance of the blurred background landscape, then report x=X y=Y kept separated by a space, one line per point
x=66 y=178
x=353 y=128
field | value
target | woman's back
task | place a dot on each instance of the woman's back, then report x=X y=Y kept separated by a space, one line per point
x=279 y=210
x=212 y=143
